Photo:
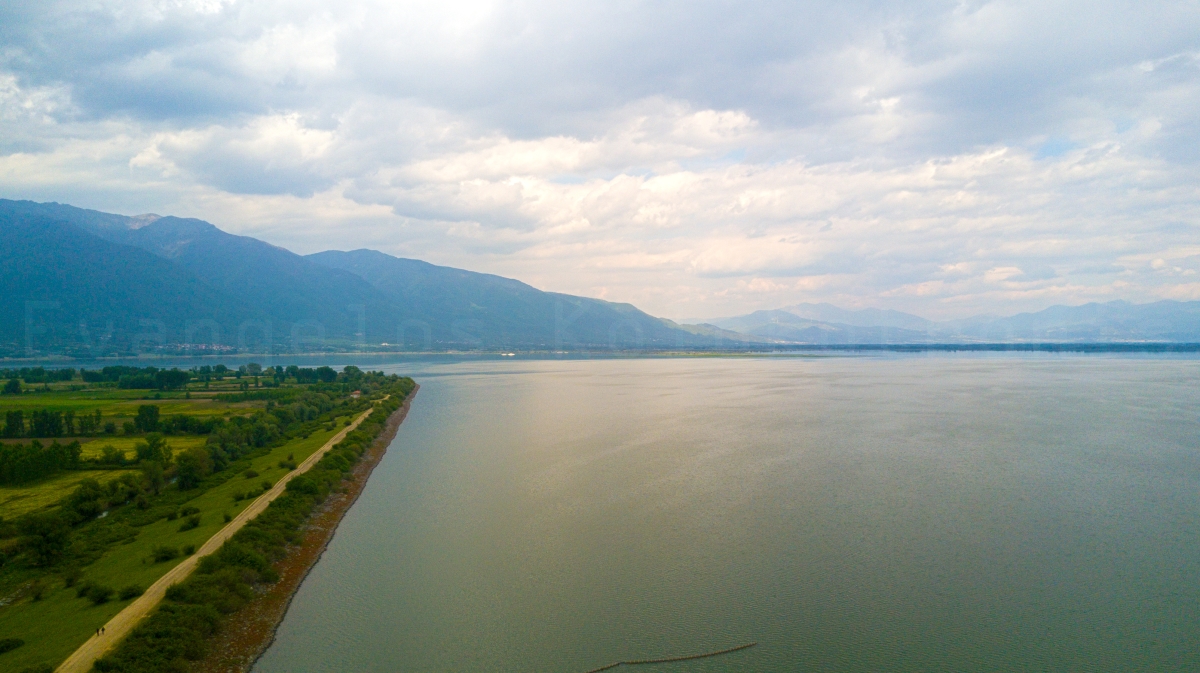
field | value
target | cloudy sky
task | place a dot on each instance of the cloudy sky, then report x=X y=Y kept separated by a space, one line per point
x=695 y=158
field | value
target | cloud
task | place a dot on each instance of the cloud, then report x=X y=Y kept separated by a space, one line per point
x=698 y=158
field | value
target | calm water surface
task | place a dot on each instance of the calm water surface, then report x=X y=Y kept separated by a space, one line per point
x=850 y=514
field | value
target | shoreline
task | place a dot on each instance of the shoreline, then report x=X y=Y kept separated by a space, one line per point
x=246 y=634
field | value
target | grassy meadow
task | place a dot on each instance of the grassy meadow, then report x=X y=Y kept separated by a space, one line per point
x=48 y=493
x=55 y=625
x=119 y=518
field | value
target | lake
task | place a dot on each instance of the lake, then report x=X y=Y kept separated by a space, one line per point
x=900 y=513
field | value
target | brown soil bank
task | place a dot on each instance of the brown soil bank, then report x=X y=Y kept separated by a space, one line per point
x=247 y=633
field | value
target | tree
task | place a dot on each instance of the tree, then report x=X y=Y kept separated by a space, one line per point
x=147 y=418
x=13 y=387
x=154 y=449
x=191 y=466
x=14 y=425
x=171 y=379
x=153 y=476
x=46 y=537
x=46 y=423
x=87 y=499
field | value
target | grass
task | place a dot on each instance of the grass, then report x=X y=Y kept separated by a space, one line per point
x=53 y=627
x=18 y=500
x=94 y=446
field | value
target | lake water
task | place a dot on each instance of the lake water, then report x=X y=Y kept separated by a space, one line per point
x=923 y=513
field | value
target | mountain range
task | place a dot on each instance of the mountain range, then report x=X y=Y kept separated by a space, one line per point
x=1109 y=322
x=83 y=282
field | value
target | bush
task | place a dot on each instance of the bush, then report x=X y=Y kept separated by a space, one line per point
x=228 y=517
x=239 y=496
x=250 y=474
x=189 y=549
x=82 y=589
x=130 y=591
x=266 y=485
x=303 y=484
x=71 y=577
x=188 y=511
x=99 y=594
x=172 y=515
x=10 y=644
x=37 y=589
x=40 y=668
x=164 y=553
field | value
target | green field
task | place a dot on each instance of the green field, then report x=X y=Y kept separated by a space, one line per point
x=54 y=626
x=111 y=541
x=122 y=405
x=94 y=446
x=18 y=500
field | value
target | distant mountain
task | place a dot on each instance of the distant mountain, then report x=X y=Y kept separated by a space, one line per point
x=440 y=304
x=63 y=285
x=866 y=317
x=1100 y=322
x=305 y=299
x=90 y=283
x=1116 y=321
x=785 y=326
x=194 y=283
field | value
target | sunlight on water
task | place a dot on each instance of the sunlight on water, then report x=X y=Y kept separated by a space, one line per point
x=848 y=514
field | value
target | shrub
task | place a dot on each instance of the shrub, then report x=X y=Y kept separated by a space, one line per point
x=164 y=553
x=99 y=594
x=172 y=515
x=250 y=474
x=40 y=668
x=266 y=485
x=37 y=589
x=82 y=589
x=10 y=644
x=189 y=549
x=192 y=521
x=188 y=511
x=228 y=517
x=303 y=484
x=238 y=496
x=131 y=591
x=71 y=577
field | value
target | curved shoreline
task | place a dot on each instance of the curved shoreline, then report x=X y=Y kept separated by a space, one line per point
x=246 y=634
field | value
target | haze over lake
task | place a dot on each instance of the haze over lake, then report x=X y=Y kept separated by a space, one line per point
x=934 y=513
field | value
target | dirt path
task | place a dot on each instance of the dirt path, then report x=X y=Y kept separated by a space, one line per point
x=123 y=622
x=247 y=633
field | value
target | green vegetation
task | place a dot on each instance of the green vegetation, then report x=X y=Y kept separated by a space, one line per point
x=177 y=631
x=120 y=510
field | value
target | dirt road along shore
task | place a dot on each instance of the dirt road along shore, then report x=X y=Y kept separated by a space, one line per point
x=123 y=622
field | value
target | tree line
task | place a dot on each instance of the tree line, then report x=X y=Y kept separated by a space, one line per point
x=153 y=378
x=21 y=463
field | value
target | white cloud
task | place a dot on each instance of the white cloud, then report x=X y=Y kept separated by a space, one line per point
x=693 y=158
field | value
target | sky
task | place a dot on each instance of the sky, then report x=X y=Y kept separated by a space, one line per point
x=696 y=159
